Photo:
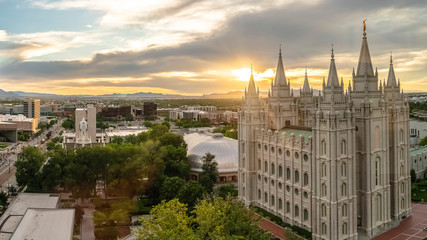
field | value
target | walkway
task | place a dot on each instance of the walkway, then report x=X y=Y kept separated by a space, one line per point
x=410 y=228
x=87 y=227
x=274 y=229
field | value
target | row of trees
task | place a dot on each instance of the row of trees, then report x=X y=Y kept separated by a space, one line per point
x=136 y=166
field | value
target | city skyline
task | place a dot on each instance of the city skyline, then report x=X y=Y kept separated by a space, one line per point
x=191 y=47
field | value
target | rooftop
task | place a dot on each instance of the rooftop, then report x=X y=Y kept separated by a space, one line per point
x=297 y=132
x=12 y=216
x=47 y=224
x=225 y=150
x=418 y=151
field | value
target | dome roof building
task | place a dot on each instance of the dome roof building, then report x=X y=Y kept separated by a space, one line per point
x=224 y=149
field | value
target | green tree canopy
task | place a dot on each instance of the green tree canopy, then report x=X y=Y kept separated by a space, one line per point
x=191 y=193
x=423 y=142
x=30 y=160
x=170 y=188
x=219 y=218
x=168 y=221
x=209 y=175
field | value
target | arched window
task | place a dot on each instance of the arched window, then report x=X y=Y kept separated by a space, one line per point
x=344 y=210
x=296 y=211
x=343 y=147
x=344 y=228
x=343 y=169
x=305 y=214
x=401 y=135
x=296 y=176
x=305 y=179
x=259 y=194
x=272 y=200
x=243 y=162
x=344 y=189
x=377 y=171
x=324 y=210
x=323 y=152
x=324 y=190
x=280 y=204
x=288 y=207
x=265 y=166
x=288 y=173
x=324 y=229
x=402 y=203
x=259 y=164
x=272 y=170
x=280 y=171
x=265 y=197
x=402 y=187
x=401 y=169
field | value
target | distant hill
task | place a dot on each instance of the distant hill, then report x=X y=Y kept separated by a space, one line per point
x=232 y=94
x=5 y=94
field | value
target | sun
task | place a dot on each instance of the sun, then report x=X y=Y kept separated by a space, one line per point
x=242 y=74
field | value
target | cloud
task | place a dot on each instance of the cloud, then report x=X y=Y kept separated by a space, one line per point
x=174 y=47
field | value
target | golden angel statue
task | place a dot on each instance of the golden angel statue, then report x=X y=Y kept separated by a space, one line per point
x=364 y=25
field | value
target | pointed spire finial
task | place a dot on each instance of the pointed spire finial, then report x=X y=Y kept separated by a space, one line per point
x=364 y=27
x=280 y=50
x=332 y=50
x=391 y=57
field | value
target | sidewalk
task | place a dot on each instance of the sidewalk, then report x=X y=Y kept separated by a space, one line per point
x=274 y=229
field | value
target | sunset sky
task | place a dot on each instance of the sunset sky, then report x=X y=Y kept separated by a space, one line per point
x=195 y=47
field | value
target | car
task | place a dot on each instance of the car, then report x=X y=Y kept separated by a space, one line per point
x=425 y=229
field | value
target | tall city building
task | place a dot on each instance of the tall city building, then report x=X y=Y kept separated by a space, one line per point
x=85 y=124
x=336 y=164
x=32 y=108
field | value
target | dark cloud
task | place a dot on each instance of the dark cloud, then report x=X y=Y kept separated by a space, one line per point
x=305 y=31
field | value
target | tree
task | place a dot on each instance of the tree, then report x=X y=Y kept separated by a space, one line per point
x=191 y=193
x=68 y=123
x=413 y=175
x=226 y=190
x=209 y=175
x=3 y=200
x=219 y=218
x=168 y=220
x=170 y=188
x=157 y=131
x=148 y=124
x=179 y=123
x=30 y=160
x=117 y=140
x=423 y=142
x=176 y=161
x=129 y=118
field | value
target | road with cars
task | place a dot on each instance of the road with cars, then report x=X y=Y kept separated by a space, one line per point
x=10 y=155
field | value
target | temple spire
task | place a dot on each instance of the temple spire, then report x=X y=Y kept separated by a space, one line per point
x=251 y=87
x=391 y=80
x=333 y=76
x=364 y=67
x=280 y=79
x=306 y=86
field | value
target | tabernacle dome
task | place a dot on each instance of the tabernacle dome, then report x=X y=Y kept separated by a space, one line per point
x=225 y=151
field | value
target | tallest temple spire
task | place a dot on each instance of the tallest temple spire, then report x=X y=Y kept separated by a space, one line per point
x=364 y=67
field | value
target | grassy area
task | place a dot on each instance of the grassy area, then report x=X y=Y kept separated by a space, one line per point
x=290 y=235
x=419 y=191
